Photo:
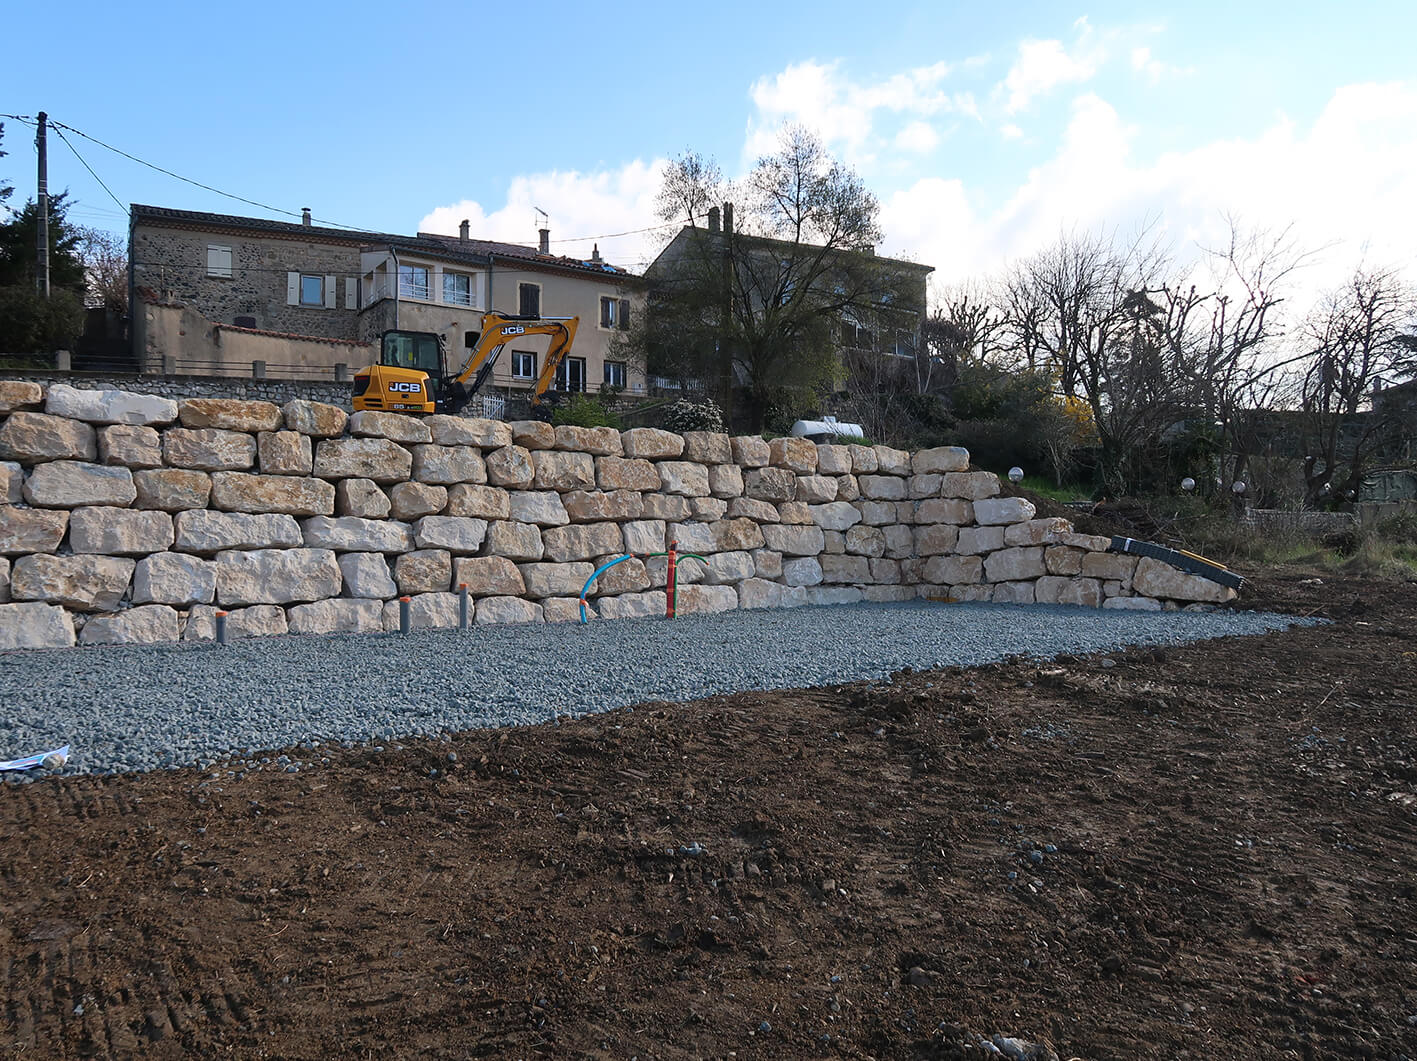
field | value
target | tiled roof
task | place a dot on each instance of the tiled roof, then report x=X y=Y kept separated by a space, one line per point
x=528 y=254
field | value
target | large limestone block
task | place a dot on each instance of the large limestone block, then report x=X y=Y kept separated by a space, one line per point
x=555 y=580
x=540 y=507
x=622 y=473
x=480 y=502
x=628 y=576
x=835 y=515
x=396 y=427
x=409 y=501
x=766 y=563
x=597 y=441
x=424 y=571
x=759 y=593
x=900 y=541
x=802 y=571
x=532 y=434
x=820 y=595
x=561 y=610
x=815 y=489
x=350 y=534
x=276 y=576
x=19 y=394
x=1132 y=604
x=704 y=600
x=944 y=510
x=953 y=570
x=692 y=538
x=496 y=610
x=12 y=483
x=69 y=484
x=119 y=531
x=972 y=486
x=770 y=484
x=262 y=620
x=997 y=511
x=1154 y=578
x=204 y=531
x=366 y=575
x=1116 y=567
x=863 y=460
x=33 y=625
x=845 y=568
x=882 y=487
x=32 y=438
x=707 y=447
x=835 y=542
x=175 y=579
x=84 y=583
x=888 y=594
x=563 y=470
x=488 y=576
x=1053 y=589
x=793 y=540
x=1063 y=560
x=362 y=498
x=750 y=451
x=684 y=478
x=797 y=455
x=290 y=494
x=936 y=539
x=587 y=506
x=30 y=530
x=109 y=406
x=632 y=605
x=877 y=513
x=510 y=466
x=651 y=443
x=132 y=446
x=516 y=541
x=1094 y=543
x=939 y=460
x=426 y=611
x=448 y=464
x=1015 y=565
x=362 y=458
x=707 y=509
x=1014 y=593
x=644 y=536
x=725 y=480
x=284 y=453
x=1036 y=531
x=337 y=617
x=229 y=414
x=456 y=534
x=729 y=535
x=4 y=580
x=171 y=489
x=208 y=449
x=922 y=486
x=974 y=541
x=726 y=569
x=314 y=418
x=892 y=461
x=752 y=508
x=669 y=507
x=866 y=541
x=833 y=460
x=468 y=431
x=151 y=624
x=884 y=570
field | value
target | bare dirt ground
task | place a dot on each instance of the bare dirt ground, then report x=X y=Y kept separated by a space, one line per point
x=1203 y=852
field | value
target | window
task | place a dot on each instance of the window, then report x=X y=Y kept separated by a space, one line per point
x=312 y=290
x=615 y=313
x=523 y=364
x=218 y=260
x=457 y=289
x=413 y=281
x=571 y=375
x=529 y=300
x=615 y=374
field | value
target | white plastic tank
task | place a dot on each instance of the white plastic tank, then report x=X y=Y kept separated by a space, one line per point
x=826 y=429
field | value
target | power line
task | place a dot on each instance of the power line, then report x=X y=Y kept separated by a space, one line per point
x=86 y=166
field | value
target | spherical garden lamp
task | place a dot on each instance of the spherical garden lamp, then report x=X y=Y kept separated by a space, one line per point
x=1188 y=484
x=1237 y=487
x=1015 y=474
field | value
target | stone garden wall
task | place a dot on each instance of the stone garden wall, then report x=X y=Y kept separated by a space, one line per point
x=133 y=518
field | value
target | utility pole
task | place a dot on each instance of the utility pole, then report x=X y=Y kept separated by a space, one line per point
x=41 y=276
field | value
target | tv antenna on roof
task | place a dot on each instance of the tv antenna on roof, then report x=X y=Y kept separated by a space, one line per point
x=545 y=218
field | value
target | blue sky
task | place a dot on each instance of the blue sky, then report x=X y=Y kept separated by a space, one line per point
x=984 y=130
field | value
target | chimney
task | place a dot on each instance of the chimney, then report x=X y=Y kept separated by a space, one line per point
x=713 y=219
x=728 y=219
x=463 y=230
x=545 y=247
x=305 y=216
x=595 y=254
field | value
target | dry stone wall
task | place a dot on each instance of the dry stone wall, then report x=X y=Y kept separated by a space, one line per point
x=133 y=518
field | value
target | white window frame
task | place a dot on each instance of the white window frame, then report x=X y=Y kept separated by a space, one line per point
x=613 y=317
x=623 y=373
x=410 y=290
x=563 y=375
x=216 y=251
x=320 y=301
x=471 y=289
x=517 y=355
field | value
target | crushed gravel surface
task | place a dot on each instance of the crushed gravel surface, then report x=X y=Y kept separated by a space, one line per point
x=131 y=708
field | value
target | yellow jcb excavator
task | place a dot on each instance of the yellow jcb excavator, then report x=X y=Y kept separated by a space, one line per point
x=412 y=374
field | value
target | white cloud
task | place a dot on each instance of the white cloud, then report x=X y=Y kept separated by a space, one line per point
x=1152 y=68
x=1042 y=66
x=1011 y=132
x=918 y=138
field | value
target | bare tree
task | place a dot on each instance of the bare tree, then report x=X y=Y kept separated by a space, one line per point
x=105 y=261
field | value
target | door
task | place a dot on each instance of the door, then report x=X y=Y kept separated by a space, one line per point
x=570 y=376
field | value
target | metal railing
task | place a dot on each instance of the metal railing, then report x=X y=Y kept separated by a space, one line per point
x=186 y=366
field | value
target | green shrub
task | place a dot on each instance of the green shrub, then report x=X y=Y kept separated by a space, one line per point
x=584 y=411
x=685 y=415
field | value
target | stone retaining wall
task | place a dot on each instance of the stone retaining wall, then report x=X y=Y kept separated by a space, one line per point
x=279 y=391
x=133 y=518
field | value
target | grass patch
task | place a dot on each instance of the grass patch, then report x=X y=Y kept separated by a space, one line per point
x=1048 y=488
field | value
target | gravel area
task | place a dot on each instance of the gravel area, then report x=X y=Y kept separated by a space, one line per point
x=145 y=707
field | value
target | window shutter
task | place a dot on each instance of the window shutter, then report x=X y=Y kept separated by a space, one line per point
x=624 y=314
x=329 y=292
x=292 y=289
x=351 y=293
x=605 y=304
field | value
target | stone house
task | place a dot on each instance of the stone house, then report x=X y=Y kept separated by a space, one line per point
x=215 y=293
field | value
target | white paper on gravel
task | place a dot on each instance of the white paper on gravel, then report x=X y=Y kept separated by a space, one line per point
x=52 y=760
